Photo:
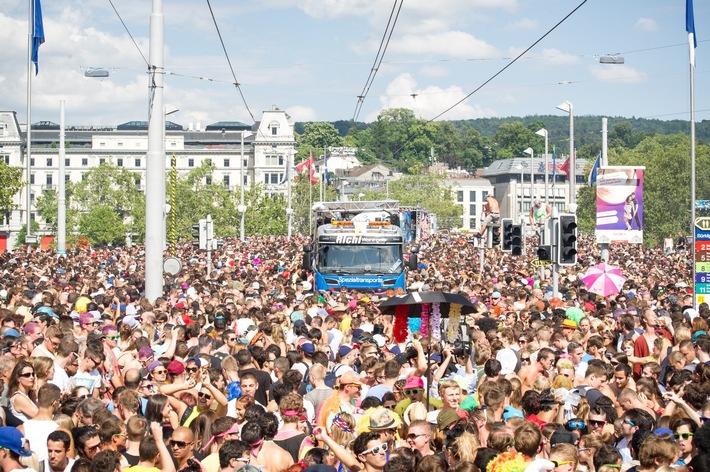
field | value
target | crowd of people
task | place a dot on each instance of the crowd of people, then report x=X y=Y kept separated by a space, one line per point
x=248 y=369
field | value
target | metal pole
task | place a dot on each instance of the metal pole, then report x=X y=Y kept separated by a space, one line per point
x=289 y=210
x=242 y=208
x=173 y=196
x=209 y=245
x=692 y=171
x=605 y=162
x=28 y=154
x=155 y=160
x=61 y=190
x=554 y=243
x=547 y=178
x=572 y=160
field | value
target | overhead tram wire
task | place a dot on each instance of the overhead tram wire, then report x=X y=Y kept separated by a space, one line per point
x=384 y=43
x=129 y=33
x=490 y=79
x=229 y=62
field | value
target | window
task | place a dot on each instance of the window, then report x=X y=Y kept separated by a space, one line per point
x=226 y=163
x=245 y=180
x=85 y=162
x=246 y=162
x=6 y=158
x=33 y=216
x=32 y=161
x=274 y=130
x=102 y=161
x=32 y=197
x=102 y=144
x=472 y=196
x=66 y=162
x=272 y=178
x=208 y=162
x=119 y=144
x=225 y=179
x=274 y=160
x=49 y=162
x=472 y=210
x=32 y=179
x=208 y=180
x=484 y=195
x=459 y=196
x=119 y=162
x=66 y=177
x=190 y=162
x=138 y=162
x=48 y=179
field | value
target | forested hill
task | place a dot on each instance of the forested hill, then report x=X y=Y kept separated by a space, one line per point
x=586 y=127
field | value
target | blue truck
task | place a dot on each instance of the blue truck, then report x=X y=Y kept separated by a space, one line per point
x=358 y=245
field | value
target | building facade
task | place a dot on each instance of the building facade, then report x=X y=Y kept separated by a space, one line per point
x=242 y=154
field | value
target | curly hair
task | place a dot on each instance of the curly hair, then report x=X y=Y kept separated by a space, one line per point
x=291 y=408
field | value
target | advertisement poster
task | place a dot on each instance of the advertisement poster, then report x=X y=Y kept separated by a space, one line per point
x=620 y=205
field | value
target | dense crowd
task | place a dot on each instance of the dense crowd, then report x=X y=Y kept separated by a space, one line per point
x=248 y=369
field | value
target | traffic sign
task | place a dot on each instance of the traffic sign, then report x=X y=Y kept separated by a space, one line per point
x=702 y=289
x=702 y=278
x=702 y=259
x=702 y=267
x=703 y=223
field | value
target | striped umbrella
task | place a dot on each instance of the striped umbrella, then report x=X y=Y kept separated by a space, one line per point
x=603 y=279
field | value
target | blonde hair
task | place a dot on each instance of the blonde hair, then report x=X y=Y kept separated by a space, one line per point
x=339 y=434
x=541 y=383
x=564 y=452
x=467 y=447
x=562 y=381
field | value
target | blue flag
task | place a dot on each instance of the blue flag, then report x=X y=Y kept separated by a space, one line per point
x=690 y=28
x=554 y=165
x=37 y=33
x=593 y=173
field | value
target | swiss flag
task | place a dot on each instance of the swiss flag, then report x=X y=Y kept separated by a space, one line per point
x=565 y=168
x=307 y=164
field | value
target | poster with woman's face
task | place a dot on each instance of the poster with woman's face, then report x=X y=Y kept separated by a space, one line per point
x=620 y=205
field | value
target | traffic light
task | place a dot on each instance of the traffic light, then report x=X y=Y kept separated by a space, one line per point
x=506 y=225
x=544 y=253
x=495 y=236
x=567 y=240
x=200 y=234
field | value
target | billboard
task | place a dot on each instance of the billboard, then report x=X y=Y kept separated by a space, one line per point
x=620 y=205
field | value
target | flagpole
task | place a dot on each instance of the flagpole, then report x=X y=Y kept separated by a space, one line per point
x=28 y=166
x=310 y=194
x=692 y=43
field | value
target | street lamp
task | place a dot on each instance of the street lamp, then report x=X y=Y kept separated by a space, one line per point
x=518 y=209
x=529 y=151
x=343 y=183
x=567 y=108
x=359 y=196
x=289 y=209
x=241 y=208
x=543 y=132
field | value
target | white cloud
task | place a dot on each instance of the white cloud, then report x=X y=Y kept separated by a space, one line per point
x=646 y=25
x=434 y=71
x=545 y=57
x=429 y=101
x=301 y=113
x=524 y=24
x=617 y=73
x=449 y=43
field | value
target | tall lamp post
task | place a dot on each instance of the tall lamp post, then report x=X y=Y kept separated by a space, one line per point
x=289 y=209
x=529 y=151
x=567 y=108
x=543 y=132
x=242 y=209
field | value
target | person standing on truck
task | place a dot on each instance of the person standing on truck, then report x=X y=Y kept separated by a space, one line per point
x=491 y=214
x=539 y=213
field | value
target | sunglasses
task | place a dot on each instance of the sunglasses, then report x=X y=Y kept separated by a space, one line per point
x=522 y=341
x=179 y=444
x=597 y=422
x=414 y=436
x=113 y=338
x=560 y=463
x=159 y=372
x=390 y=407
x=678 y=436
x=148 y=386
x=575 y=424
x=629 y=422
x=413 y=391
x=92 y=448
x=191 y=370
x=27 y=375
x=376 y=450
x=206 y=396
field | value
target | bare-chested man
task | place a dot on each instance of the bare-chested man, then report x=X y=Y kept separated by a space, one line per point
x=528 y=374
x=491 y=211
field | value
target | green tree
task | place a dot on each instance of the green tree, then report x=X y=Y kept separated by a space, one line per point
x=666 y=194
x=316 y=137
x=102 y=225
x=512 y=139
x=22 y=234
x=10 y=183
x=110 y=186
x=266 y=214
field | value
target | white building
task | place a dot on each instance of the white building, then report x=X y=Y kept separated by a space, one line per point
x=268 y=149
x=471 y=194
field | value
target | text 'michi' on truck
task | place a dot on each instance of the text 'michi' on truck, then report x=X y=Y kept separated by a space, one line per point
x=361 y=245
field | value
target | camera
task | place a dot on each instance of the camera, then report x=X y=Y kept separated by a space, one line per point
x=461 y=348
x=411 y=353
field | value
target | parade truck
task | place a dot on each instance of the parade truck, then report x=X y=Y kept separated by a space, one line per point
x=358 y=245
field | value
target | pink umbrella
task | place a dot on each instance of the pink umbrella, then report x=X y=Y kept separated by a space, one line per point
x=603 y=279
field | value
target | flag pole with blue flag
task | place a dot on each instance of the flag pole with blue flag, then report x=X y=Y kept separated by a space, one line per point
x=35 y=37
x=593 y=173
x=692 y=44
x=554 y=166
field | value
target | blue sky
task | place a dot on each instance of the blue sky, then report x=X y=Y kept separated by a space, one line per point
x=312 y=58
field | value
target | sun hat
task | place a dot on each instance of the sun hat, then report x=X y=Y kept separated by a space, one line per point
x=446 y=417
x=382 y=419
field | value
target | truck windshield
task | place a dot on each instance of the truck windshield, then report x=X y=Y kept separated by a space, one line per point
x=353 y=259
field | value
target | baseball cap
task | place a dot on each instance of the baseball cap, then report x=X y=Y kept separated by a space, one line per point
x=47 y=310
x=11 y=333
x=308 y=348
x=446 y=417
x=176 y=368
x=344 y=350
x=12 y=439
x=153 y=365
x=414 y=382
x=495 y=295
x=561 y=435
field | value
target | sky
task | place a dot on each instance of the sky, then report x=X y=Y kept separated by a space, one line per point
x=312 y=58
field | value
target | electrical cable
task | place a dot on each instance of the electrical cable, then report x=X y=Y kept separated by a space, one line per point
x=129 y=33
x=378 y=58
x=490 y=79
